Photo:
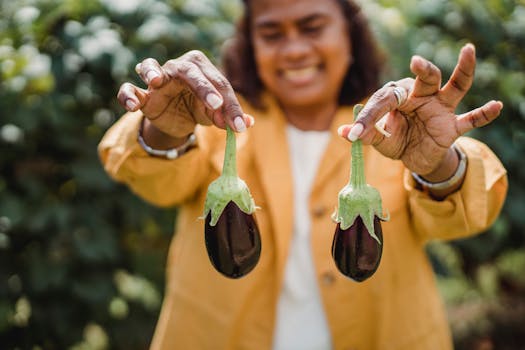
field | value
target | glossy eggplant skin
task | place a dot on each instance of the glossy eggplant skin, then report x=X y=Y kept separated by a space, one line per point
x=234 y=243
x=357 y=254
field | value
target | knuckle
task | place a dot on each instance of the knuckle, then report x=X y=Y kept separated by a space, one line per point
x=171 y=62
x=125 y=90
x=431 y=67
x=222 y=83
x=233 y=109
x=183 y=67
x=149 y=61
x=485 y=116
x=202 y=87
x=196 y=56
x=459 y=85
x=171 y=66
x=367 y=115
x=127 y=86
x=473 y=122
x=146 y=65
x=381 y=94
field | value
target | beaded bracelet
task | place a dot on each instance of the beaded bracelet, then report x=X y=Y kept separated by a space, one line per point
x=172 y=153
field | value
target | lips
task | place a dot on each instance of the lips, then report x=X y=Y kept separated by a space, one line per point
x=300 y=76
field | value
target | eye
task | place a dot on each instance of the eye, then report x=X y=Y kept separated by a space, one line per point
x=313 y=26
x=313 y=29
x=271 y=36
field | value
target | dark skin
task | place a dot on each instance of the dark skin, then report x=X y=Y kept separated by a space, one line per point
x=425 y=126
x=183 y=92
x=190 y=90
x=301 y=58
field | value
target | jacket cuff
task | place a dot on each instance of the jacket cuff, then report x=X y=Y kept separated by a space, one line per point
x=470 y=201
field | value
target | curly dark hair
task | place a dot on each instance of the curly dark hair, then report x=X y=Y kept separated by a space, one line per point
x=361 y=79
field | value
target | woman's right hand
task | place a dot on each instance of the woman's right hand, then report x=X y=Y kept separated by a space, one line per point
x=183 y=92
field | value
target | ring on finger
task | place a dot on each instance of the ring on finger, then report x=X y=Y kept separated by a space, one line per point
x=400 y=94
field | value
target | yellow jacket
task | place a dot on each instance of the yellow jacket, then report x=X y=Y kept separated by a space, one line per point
x=397 y=308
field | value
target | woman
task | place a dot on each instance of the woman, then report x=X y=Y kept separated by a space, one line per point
x=296 y=67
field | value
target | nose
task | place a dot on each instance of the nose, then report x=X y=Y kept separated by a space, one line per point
x=295 y=47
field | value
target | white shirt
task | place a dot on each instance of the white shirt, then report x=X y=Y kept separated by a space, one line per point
x=301 y=323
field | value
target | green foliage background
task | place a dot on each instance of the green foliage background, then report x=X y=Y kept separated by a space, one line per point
x=82 y=259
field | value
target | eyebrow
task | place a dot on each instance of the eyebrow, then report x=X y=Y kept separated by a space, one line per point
x=301 y=21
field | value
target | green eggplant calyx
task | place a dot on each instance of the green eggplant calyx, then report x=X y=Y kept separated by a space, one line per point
x=224 y=190
x=228 y=187
x=364 y=202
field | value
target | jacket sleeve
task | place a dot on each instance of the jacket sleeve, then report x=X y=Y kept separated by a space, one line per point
x=468 y=211
x=159 y=181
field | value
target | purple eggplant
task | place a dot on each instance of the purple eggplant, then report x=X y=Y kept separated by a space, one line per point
x=231 y=234
x=234 y=243
x=355 y=252
x=358 y=240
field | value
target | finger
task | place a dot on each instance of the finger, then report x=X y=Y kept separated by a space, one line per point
x=249 y=120
x=131 y=97
x=231 y=108
x=151 y=73
x=478 y=117
x=344 y=130
x=428 y=80
x=374 y=138
x=217 y=118
x=382 y=102
x=381 y=126
x=196 y=81
x=462 y=77
x=241 y=123
x=204 y=87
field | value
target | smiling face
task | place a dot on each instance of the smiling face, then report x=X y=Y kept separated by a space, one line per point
x=302 y=50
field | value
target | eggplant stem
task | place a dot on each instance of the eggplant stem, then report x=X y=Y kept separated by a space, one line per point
x=229 y=167
x=357 y=171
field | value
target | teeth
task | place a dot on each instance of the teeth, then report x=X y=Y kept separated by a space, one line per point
x=300 y=74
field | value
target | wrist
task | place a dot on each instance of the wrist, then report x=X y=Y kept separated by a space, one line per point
x=445 y=169
x=158 y=139
x=162 y=145
x=441 y=188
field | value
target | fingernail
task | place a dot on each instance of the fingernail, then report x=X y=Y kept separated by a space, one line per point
x=151 y=75
x=355 y=132
x=340 y=130
x=252 y=120
x=239 y=124
x=213 y=101
x=130 y=104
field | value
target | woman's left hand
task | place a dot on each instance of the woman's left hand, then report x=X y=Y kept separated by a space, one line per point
x=420 y=117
